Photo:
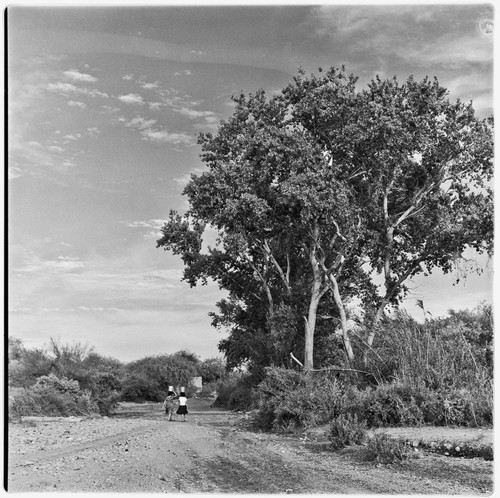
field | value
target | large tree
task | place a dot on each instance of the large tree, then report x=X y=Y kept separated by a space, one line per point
x=420 y=168
x=286 y=226
x=318 y=188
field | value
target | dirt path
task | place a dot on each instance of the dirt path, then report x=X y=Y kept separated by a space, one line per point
x=213 y=452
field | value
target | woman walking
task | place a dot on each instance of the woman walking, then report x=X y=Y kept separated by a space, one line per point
x=168 y=404
x=182 y=410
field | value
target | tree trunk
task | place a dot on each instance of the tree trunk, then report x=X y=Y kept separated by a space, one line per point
x=343 y=318
x=373 y=329
x=316 y=293
x=311 y=323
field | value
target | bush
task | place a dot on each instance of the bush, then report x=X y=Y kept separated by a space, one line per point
x=138 y=388
x=235 y=392
x=395 y=405
x=289 y=399
x=104 y=389
x=51 y=396
x=208 y=390
x=384 y=449
x=346 y=430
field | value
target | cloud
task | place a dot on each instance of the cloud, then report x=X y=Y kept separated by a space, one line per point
x=141 y=123
x=62 y=264
x=13 y=172
x=155 y=106
x=131 y=98
x=194 y=114
x=153 y=227
x=409 y=32
x=152 y=133
x=93 y=131
x=109 y=108
x=73 y=103
x=55 y=148
x=185 y=72
x=150 y=86
x=444 y=51
x=128 y=77
x=75 y=75
x=69 y=88
x=145 y=224
x=164 y=136
x=98 y=308
x=75 y=136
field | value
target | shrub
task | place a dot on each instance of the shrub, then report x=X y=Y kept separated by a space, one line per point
x=208 y=390
x=139 y=388
x=104 y=389
x=396 y=405
x=290 y=399
x=463 y=407
x=384 y=449
x=235 y=392
x=346 y=430
x=51 y=396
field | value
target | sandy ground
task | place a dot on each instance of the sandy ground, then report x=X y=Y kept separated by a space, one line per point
x=215 y=451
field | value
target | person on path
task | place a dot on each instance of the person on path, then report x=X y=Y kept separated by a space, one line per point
x=182 y=410
x=169 y=403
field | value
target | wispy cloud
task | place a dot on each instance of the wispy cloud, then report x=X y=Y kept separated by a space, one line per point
x=151 y=132
x=55 y=148
x=153 y=227
x=194 y=114
x=155 y=106
x=63 y=264
x=31 y=157
x=69 y=88
x=93 y=131
x=141 y=123
x=150 y=86
x=75 y=75
x=131 y=98
x=75 y=136
x=74 y=103
x=164 y=136
x=144 y=224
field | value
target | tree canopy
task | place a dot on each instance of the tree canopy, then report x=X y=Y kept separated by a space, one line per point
x=317 y=190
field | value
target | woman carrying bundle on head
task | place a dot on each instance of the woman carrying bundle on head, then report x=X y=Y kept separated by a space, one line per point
x=182 y=410
x=169 y=403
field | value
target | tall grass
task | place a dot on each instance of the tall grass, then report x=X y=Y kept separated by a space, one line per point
x=438 y=372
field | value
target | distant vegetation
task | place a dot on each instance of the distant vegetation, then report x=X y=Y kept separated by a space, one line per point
x=439 y=372
x=64 y=379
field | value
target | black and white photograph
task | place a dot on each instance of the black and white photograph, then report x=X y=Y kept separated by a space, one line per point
x=249 y=248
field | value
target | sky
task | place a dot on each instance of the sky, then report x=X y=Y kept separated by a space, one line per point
x=104 y=108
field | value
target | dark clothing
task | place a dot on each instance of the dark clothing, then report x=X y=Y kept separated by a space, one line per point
x=182 y=410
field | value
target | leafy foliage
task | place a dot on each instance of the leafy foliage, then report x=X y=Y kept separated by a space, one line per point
x=346 y=430
x=289 y=399
x=51 y=396
x=384 y=449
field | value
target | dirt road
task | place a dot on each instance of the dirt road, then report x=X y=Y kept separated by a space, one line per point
x=138 y=450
